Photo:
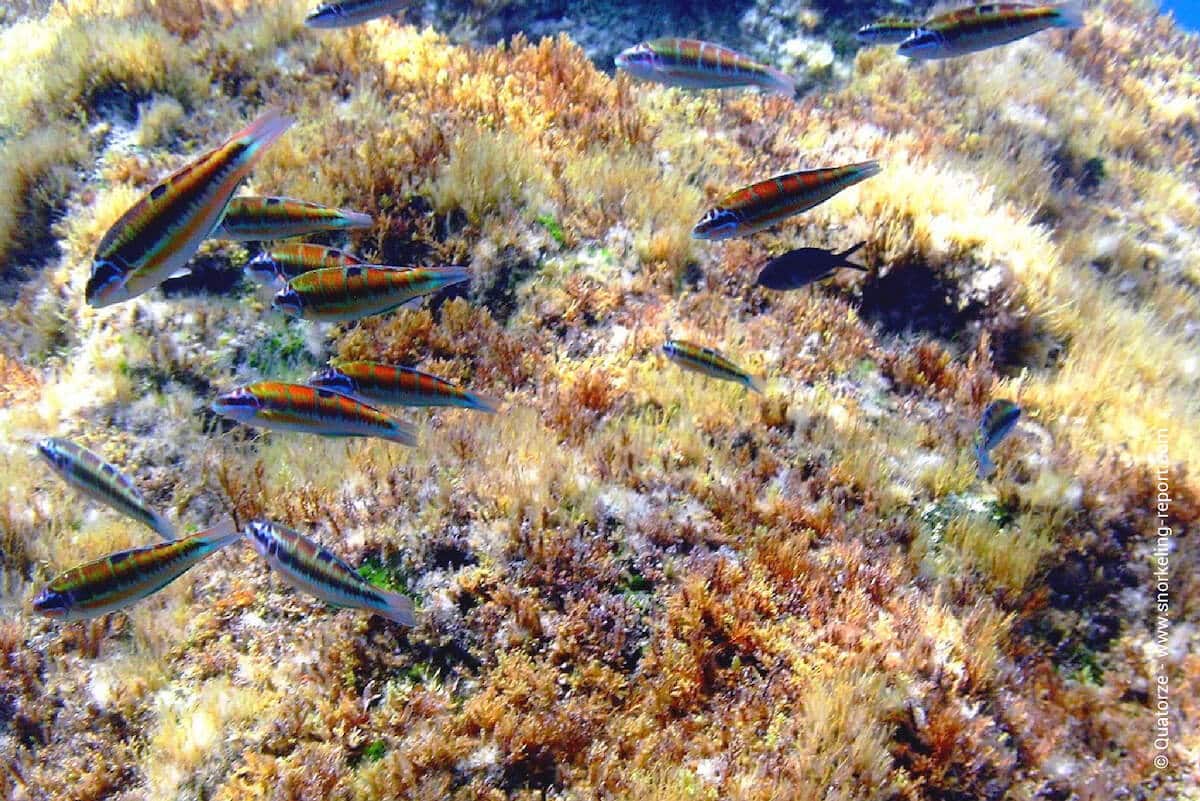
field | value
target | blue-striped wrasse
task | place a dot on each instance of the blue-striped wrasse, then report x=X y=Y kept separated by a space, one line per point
x=340 y=294
x=282 y=263
x=262 y=219
x=394 y=385
x=999 y=419
x=353 y=12
x=980 y=27
x=692 y=64
x=710 y=363
x=314 y=569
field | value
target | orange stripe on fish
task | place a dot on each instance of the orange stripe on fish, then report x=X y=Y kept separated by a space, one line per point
x=164 y=229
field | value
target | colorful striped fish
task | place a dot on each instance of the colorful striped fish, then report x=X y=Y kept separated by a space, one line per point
x=692 y=64
x=164 y=229
x=294 y=407
x=96 y=478
x=126 y=577
x=258 y=219
x=394 y=385
x=766 y=203
x=999 y=418
x=350 y=293
x=283 y=263
x=709 y=362
x=887 y=30
x=313 y=569
x=353 y=12
x=969 y=30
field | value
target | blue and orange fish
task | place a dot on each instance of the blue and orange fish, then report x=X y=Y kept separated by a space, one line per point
x=310 y=410
x=96 y=478
x=316 y=570
x=340 y=294
x=980 y=27
x=164 y=229
x=126 y=577
x=394 y=385
x=692 y=64
x=282 y=263
x=761 y=205
x=262 y=219
x=710 y=363
x=353 y=12
x=999 y=418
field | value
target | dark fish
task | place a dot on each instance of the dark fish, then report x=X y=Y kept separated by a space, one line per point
x=799 y=268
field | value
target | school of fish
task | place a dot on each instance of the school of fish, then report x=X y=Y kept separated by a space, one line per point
x=155 y=239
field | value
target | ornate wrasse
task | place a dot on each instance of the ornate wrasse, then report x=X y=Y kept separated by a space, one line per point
x=397 y=386
x=999 y=418
x=258 y=219
x=164 y=229
x=96 y=478
x=710 y=363
x=692 y=64
x=979 y=27
x=349 y=293
x=766 y=203
x=125 y=577
x=316 y=570
x=283 y=263
x=352 y=12
x=294 y=407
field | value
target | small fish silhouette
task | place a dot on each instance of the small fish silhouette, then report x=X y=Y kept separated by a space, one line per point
x=799 y=268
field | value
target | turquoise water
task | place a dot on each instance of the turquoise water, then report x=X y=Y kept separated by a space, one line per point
x=1186 y=11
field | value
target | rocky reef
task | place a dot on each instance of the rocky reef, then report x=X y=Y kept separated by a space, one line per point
x=632 y=582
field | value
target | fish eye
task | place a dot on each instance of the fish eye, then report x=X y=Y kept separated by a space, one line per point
x=716 y=224
x=287 y=300
x=332 y=378
x=638 y=54
x=49 y=452
x=240 y=400
x=52 y=603
x=105 y=278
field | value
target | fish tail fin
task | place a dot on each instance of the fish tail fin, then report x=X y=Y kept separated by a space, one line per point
x=866 y=169
x=263 y=131
x=850 y=251
x=756 y=384
x=357 y=219
x=1070 y=14
x=221 y=534
x=452 y=274
x=399 y=609
x=986 y=466
x=781 y=83
x=482 y=403
x=402 y=433
x=164 y=527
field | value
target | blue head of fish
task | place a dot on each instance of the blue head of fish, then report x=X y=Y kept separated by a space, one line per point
x=922 y=43
x=263 y=269
x=52 y=453
x=287 y=300
x=262 y=537
x=52 y=603
x=241 y=404
x=639 y=60
x=333 y=378
x=105 y=285
x=327 y=15
x=717 y=224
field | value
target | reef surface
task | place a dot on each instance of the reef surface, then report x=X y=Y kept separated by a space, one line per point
x=632 y=582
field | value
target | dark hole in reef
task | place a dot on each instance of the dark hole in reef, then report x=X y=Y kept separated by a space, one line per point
x=1086 y=173
x=536 y=771
x=34 y=243
x=501 y=296
x=211 y=275
x=912 y=297
x=452 y=555
x=115 y=103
